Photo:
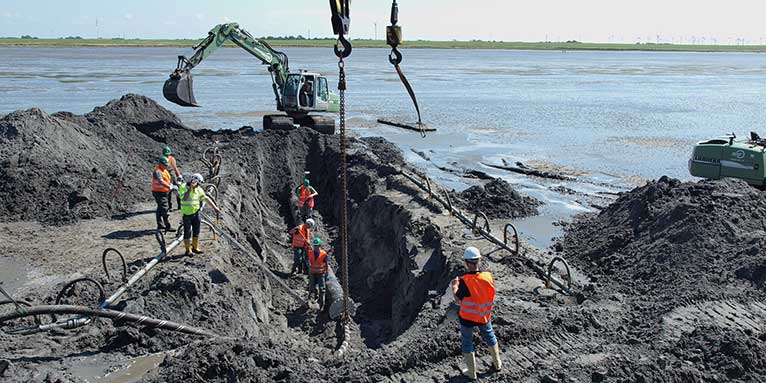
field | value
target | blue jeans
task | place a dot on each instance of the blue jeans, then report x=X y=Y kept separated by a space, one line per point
x=466 y=333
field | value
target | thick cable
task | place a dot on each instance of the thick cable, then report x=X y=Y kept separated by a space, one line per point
x=111 y=314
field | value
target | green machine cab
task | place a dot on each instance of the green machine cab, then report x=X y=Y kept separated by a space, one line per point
x=730 y=157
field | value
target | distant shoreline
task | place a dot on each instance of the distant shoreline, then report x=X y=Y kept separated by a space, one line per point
x=362 y=43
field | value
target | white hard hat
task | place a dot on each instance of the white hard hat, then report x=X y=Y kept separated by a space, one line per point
x=471 y=254
x=198 y=177
x=310 y=222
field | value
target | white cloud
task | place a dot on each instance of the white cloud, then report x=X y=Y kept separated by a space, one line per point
x=226 y=19
x=200 y=16
x=128 y=16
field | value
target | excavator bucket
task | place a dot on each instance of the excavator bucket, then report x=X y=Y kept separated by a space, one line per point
x=178 y=89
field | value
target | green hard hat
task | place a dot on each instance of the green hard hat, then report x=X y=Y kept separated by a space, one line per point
x=164 y=160
x=317 y=242
x=166 y=150
x=306 y=182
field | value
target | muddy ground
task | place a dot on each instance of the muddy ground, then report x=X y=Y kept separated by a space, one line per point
x=670 y=276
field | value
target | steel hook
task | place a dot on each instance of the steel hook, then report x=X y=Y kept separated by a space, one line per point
x=346 y=51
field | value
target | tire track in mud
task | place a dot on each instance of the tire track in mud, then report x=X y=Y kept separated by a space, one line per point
x=727 y=314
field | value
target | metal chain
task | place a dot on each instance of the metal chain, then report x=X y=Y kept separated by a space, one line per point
x=343 y=186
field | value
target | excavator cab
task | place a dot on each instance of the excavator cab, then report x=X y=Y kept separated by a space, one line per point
x=306 y=92
x=178 y=88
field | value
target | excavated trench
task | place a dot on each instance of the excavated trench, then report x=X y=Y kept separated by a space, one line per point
x=674 y=289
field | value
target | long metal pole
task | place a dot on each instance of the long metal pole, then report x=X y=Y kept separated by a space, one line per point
x=80 y=321
x=468 y=222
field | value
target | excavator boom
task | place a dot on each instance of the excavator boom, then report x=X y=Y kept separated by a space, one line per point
x=178 y=88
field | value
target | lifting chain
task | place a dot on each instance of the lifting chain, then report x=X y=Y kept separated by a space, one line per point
x=340 y=24
x=394 y=39
x=343 y=186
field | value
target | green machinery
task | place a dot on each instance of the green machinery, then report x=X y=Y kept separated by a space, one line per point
x=297 y=94
x=731 y=157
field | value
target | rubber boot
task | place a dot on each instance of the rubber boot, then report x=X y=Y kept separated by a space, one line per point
x=495 y=352
x=168 y=227
x=470 y=361
x=187 y=246
x=195 y=246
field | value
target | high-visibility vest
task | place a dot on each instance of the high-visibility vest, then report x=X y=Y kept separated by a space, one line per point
x=301 y=237
x=317 y=264
x=157 y=185
x=172 y=164
x=478 y=307
x=194 y=202
x=304 y=196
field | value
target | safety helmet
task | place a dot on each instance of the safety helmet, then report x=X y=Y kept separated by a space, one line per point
x=310 y=222
x=197 y=177
x=166 y=150
x=317 y=242
x=471 y=254
x=164 y=160
x=306 y=182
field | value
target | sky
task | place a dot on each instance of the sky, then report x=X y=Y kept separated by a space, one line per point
x=664 y=21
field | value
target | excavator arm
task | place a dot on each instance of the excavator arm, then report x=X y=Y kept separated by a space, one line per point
x=178 y=88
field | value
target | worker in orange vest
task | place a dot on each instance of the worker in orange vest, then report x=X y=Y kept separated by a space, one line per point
x=175 y=175
x=161 y=187
x=306 y=194
x=317 y=271
x=301 y=243
x=475 y=293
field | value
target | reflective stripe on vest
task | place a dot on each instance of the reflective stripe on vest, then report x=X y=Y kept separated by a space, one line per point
x=478 y=307
x=157 y=185
x=302 y=236
x=305 y=193
x=192 y=204
x=317 y=265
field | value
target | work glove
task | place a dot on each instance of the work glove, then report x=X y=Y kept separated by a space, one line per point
x=173 y=187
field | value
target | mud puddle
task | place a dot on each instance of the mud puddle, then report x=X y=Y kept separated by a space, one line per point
x=13 y=274
x=125 y=371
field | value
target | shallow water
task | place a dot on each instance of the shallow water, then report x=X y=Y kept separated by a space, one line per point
x=617 y=117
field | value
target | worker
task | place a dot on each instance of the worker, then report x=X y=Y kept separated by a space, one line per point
x=307 y=95
x=192 y=197
x=475 y=293
x=306 y=194
x=301 y=243
x=317 y=270
x=161 y=187
x=175 y=174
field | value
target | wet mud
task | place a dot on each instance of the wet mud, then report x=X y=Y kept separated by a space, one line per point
x=669 y=277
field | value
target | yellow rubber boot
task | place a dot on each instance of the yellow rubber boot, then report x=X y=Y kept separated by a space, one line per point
x=187 y=246
x=470 y=362
x=495 y=352
x=195 y=246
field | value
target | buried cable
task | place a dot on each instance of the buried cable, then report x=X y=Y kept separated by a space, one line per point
x=122 y=260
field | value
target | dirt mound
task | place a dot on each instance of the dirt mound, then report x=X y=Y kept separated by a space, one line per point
x=696 y=235
x=497 y=199
x=62 y=167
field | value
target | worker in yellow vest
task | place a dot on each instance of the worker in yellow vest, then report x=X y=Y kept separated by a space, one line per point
x=317 y=271
x=192 y=197
x=475 y=293
x=301 y=242
x=161 y=187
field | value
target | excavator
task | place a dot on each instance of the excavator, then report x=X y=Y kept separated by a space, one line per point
x=297 y=94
